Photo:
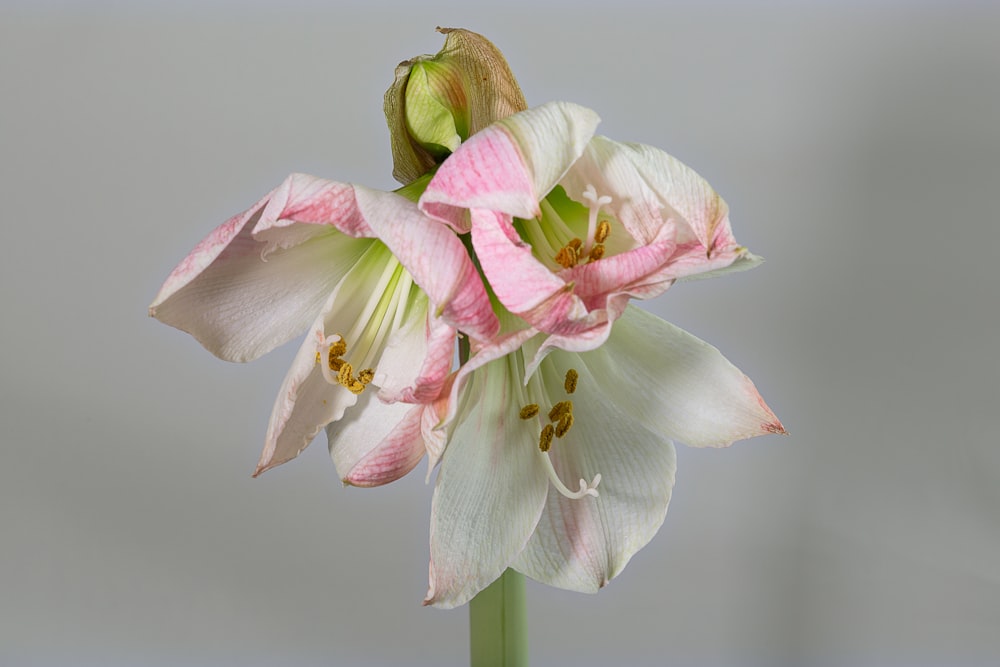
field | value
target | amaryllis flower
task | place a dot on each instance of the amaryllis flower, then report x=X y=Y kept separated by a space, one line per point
x=381 y=289
x=568 y=226
x=566 y=474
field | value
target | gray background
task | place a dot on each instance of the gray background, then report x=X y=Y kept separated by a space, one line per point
x=858 y=147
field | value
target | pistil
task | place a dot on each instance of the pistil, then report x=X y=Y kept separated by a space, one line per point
x=560 y=422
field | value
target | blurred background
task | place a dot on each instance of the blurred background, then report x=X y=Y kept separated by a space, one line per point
x=858 y=146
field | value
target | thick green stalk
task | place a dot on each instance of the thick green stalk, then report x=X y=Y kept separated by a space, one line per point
x=498 y=623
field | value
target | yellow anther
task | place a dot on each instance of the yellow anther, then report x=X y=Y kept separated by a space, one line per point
x=571 y=377
x=338 y=349
x=567 y=257
x=603 y=229
x=575 y=244
x=545 y=438
x=596 y=252
x=355 y=387
x=529 y=411
x=565 y=423
x=365 y=376
x=346 y=375
x=559 y=409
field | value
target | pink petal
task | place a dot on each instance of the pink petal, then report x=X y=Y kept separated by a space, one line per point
x=434 y=256
x=417 y=360
x=377 y=443
x=522 y=283
x=509 y=166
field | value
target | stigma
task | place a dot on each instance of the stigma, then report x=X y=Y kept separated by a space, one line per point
x=560 y=418
x=591 y=250
x=329 y=355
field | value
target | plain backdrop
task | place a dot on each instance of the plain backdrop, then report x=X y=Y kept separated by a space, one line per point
x=858 y=146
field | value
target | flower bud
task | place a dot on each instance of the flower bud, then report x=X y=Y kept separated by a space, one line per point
x=436 y=102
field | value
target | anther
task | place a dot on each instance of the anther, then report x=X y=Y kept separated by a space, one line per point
x=596 y=252
x=545 y=438
x=366 y=375
x=559 y=409
x=603 y=229
x=529 y=411
x=571 y=377
x=567 y=257
x=345 y=375
x=565 y=423
x=338 y=348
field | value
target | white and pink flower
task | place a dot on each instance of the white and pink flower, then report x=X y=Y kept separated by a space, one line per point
x=381 y=288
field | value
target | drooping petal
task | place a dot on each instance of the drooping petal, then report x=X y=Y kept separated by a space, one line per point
x=376 y=443
x=363 y=309
x=490 y=489
x=240 y=306
x=581 y=544
x=304 y=205
x=303 y=200
x=305 y=404
x=510 y=165
x=678 y=385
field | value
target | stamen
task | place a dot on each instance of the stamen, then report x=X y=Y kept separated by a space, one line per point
x=336 y=370
x=596 y=252
x=345 y=376
x=545 y=438
x=569 y=255
x=559 y=409
x=571 y=377
x=529 y=411
x=590 y=194
x=603 y=229
x=565 y=423
x=585 y=489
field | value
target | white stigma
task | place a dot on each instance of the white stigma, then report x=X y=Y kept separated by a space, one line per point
x=595 y=204
x=323 y=350
x=585 y=489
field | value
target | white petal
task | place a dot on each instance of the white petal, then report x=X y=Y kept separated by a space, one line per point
x=490 y=489
x=306 y=403
x=582 y=544
x=648 y=187
x=663 y=377
x=240 y=306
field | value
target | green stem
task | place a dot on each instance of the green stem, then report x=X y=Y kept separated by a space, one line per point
x=498 y=623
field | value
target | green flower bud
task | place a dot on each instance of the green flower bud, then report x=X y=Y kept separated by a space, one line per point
x=436 y=102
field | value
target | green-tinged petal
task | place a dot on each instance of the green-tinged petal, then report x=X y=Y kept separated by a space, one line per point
x=473 y=84
x=430 y=115
x=581 y=544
